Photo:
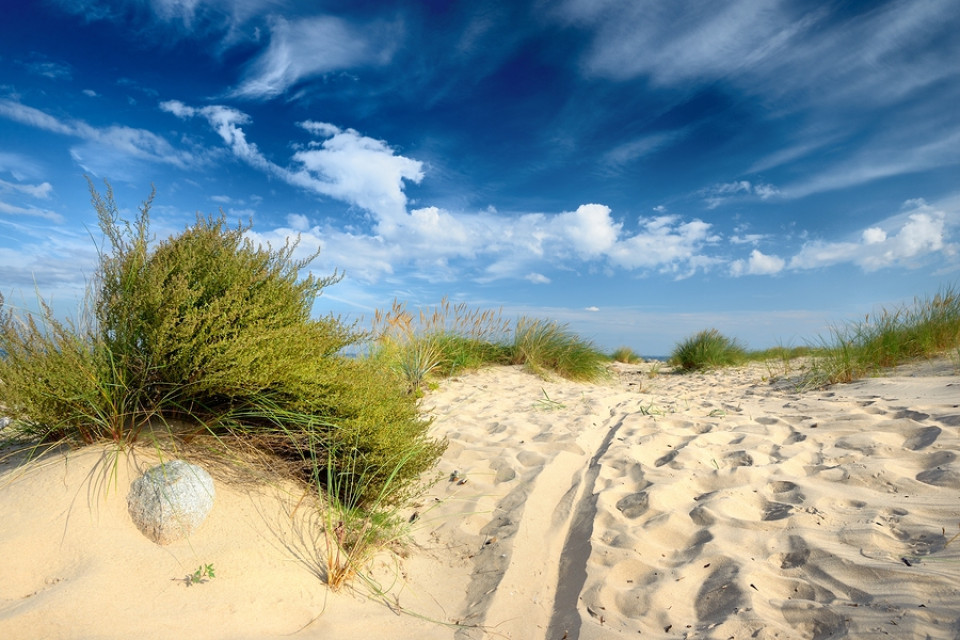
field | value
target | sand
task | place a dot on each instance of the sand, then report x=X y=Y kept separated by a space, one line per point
x=727 y=504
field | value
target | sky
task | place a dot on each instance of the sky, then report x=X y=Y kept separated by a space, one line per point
x=640 y=170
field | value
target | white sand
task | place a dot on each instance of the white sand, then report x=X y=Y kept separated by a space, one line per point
x=715 y=505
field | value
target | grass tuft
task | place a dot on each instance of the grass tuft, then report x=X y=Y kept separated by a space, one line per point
x=451 y=338
x=626 y=355
x=929 y=327
x=544 y=346
x=706 y=350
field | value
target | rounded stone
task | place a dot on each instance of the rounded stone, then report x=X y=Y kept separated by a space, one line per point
x=169 y=501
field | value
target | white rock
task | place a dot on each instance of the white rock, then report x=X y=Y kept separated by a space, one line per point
x=170 y=501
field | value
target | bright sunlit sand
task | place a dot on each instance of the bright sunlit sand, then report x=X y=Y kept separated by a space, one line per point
x=725 y=504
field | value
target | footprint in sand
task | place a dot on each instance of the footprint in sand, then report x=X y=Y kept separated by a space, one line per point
x=634 y=505
x=922 y=438
x=937 y=473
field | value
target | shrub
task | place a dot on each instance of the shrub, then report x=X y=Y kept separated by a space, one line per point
x=707 y=349
x=209 y=328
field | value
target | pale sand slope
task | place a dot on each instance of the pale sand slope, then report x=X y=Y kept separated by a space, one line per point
x=711 y=505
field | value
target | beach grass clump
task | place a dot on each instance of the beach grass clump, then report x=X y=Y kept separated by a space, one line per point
x=359 y=515
x=707 y=349
x=442 y=341
x=439 y=341
x=547 y=346
x=625 y=355
x=928 y=327
x=207 y=329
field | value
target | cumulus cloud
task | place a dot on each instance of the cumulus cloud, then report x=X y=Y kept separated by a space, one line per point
x=309 y=47
x=360 y=170
x=900 y=240
x=759 y=264
x=590 y=229
x=665 y=243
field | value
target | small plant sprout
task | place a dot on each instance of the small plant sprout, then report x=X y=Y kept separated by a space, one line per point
x=203 y=573
x=548 y=404
x=650 y=410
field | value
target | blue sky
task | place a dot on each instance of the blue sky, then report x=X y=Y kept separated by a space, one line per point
x=639 y=169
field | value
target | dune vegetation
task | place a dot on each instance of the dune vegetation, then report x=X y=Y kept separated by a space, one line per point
x=449 y=339
x=927 y=328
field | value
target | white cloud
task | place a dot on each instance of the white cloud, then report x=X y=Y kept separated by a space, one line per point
x=637 y=148
x=592 y=309
x=773 y=48
x=347 y=166
x=589 y=229
x=309 y=47
x=132 y=143
x=41 y=190
x=718 y=194
x=665 y=243
x=298 y=222
x=13 y=209
x=19 y=166
x=362 y=171
x=537 y=278
x=759 y=264
x=874 y=235
x=924 y=143
x=900 y=240
x=322 y=129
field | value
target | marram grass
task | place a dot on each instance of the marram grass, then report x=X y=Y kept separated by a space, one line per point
x=448 y=339
x=706 y=350
x=928 y=327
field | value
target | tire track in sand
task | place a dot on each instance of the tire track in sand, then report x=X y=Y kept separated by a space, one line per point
x=565 y=619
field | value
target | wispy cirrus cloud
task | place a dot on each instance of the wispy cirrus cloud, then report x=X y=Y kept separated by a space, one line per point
x=308 y=47
x=720 y=193
x=131 y=143
x=775 y=48
x=918 y=144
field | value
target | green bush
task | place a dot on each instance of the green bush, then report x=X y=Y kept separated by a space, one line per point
x=707 y=349
x=208 y=328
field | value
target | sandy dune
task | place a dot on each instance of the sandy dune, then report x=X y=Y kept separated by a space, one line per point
x=717 y=505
